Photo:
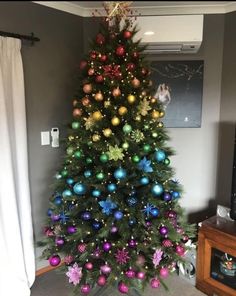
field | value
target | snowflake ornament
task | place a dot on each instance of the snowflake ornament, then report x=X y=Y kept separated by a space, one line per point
x=137 y=136
x=107 y=206
x=74 y=274
x=115 y=153
x=89 y=123
x=144 y=107
x=122 y=256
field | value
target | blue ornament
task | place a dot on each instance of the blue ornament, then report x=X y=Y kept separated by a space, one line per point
x=69 y=181
x=96 y=225
x=49 y=212
x=148 y=209
x=96 y=193
x=66 y=193
x=111 y=187
x=57 y=200
x=155 y=212
x=107 y=206
x=86 y=216
x=132 y=221
x=160 y=155
x=157 y=189
x=120 y=174
x=145 y=165
x=118 y=215
x=132 y=200
x=79 y=188
x=87 y=173
x=167 y=196
x=175 y=194
x=63 y=217
x=144 y=180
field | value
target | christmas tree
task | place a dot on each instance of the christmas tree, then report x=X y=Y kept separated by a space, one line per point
x=114 y=216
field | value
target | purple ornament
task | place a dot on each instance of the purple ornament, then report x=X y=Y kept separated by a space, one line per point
x=140 y=275
x=71 y=229
x=163 y=230
x=59 y=241
x=86 y=216
x=148 y=223
x=54 y=260
x=114 y=229
x=123 y=288
x=180 y=250
x=167 y=196
x=85 y=289
x=155 y=283
x=97 y=253
x=130 y=273
x=55 y=218
x=106 y=269
x=171 y=214
x=106 y=246
x=132 y=243
x=101 y=280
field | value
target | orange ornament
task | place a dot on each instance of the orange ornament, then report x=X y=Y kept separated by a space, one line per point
x=98 y=96
x=87 y=88
x=135 y=83
x=116 y=92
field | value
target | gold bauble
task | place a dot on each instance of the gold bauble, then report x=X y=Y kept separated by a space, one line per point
x=131 y=99
x=87 y=88
x=122 y=110
x=160 y=124
x=116 y=92
x=96 y=137
x=115 y=121
x=162 y=114
x=155 y=114
x=153 y=100
x=98 y=96
x=135 y=83
x=144 y=93
x=97 y=115
x=138 y=118
x=107 y=132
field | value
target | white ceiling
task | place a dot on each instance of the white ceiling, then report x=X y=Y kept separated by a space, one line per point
x=85 y=8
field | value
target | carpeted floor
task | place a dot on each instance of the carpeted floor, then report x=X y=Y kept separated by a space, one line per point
x=54 y=284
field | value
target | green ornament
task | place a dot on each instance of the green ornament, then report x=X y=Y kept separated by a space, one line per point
x=154 y=135
x=104 y=157
x=64 y=173
x=167 y=161
x=77 y=154
x=69 y=150
x=127 y=128
x=146 y=148
x=89 y=160
x=125 y=145
x=135 y=158
x=75 y=125
x=100 y=176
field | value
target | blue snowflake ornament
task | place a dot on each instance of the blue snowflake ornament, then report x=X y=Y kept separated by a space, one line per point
x=145 y=165
x=107 y=206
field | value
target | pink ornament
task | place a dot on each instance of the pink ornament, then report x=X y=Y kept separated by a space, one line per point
x=85 y=289
x=77 y=112
x=123 y=288
x=130 y=273
x=185 y=239
x=140 y=275
x=68 y=259
x=167 y=243
x=114 y=229
x=140 y=260
x=105 y=269
x=180 y=250
x=89 y=265
x=155 y=283
x=54 y=260
x=81 y=248
x=106 y=246
x=164 y=272
x=101 y=280
x=132 y=243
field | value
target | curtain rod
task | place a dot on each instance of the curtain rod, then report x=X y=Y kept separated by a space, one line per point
x=30 y=37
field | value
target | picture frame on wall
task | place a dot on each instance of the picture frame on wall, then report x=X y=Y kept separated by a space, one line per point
x=179 y=86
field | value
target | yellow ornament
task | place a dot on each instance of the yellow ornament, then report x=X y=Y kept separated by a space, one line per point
x=107 y=104
x=96 y=137
x=98 y=96
x=122 y=110
x=153 y=100
x=115 y=121
x=155 y=114
x=107 y=132
x=160 y=124
x=162 y=114
x=131 y=99
x=97 y=115
x=138 y=118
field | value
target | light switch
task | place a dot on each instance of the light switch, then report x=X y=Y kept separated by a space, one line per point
x=45 y=138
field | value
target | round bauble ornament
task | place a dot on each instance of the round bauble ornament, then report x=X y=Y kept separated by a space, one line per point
x=131 y=99
x=144 y=181
x=87 y=88
x=118 y=215
x=162 y=114
x=93 y=55
x=87 y=173
x=132 y=243
x=120 y=173
x=116 y=92
x=81 y=248
x=160 y=124
x=55 y=217
x=79 y=188
x=85 y=289
x=127 y=34
x=77 y=154
x=88 y=265
x=155 y=283
x=96 y=225
x=104 y=157
x=66 y=193
x=98 y=96
x=130 y=273
x=75 y=125
x=146 y=148
x=77 y=112
x=71 y=229
x=91 y=71
x=164 y=272
x=106 y=246
x=85 y=101
x=123 y=288
x=154 y=135
x=96 y=193
x=160 y=155
x=122 y=110
x=114 y=229
x=127 y=128
x=106 y=269
x=88 y=160
x=83 y=64
x=57 y=200
x=100 y=39
x=132 y=221
x=125 y=145
x=97 y=115
x=86 y=216
x=155 y=114
x=120 y=50
x=64 y=173
x=59 y=241
x=167 y=196
x=163 y=230
x=167 y=161
x=135 y=54
x=111 y=187
x=100 y=176
x=130 y=67
x=107 y=132
x=101 y=280
x=180 y=250
x=115 y=121
x=103 y=58
x=135 y=83
x=54 y=260
x=135 y=158
x=49 y=212
x=99 y=79
x=140 y=275
x=96 y=137
x=175 y=194
x=157 y=189
x=155 y=212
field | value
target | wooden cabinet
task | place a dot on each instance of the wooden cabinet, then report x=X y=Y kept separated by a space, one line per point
x=216 y=237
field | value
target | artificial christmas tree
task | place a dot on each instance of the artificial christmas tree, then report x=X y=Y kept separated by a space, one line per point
x=114 y=216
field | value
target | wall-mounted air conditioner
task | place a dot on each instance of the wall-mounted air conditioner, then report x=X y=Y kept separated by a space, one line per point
x=170 y=34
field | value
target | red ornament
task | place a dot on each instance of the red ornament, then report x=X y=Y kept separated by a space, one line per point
x=83 y=64
x=127 y=34
x=100 y=39
x=135 y=55
x=99 y=78
x=91 y=71
x=130 y=67
x=93 y=55
x=120 y=50
x=103 y=58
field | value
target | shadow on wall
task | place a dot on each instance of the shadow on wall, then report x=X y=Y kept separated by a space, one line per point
x=204 y=214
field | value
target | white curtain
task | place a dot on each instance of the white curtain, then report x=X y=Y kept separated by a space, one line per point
x=17 y=262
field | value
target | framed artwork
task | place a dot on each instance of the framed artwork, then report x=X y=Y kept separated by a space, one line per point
x=179 y=86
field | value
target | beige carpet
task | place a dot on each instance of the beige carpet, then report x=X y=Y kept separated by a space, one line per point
x=54 y=284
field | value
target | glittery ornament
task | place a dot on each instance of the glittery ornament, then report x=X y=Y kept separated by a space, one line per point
x=77 y=112
x=155 y=114
x=106 y=269
x=93 y=55
x=99 y=78
x=122 y=110
x=135 y=83
x=130 y=67
x=100 y=176
x=116 y=92
x=59 y=241
x=159 y=155
x=81 y=248
x=167 y=243
x=140 y=275
x=127 y=128
x=120 y=50
x=155 y=283
x=86 y=216
x=91 y=71
x=130 y=273
x=122 y=256
x=132 y=243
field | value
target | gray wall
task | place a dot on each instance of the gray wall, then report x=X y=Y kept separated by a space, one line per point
x=50 y=68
